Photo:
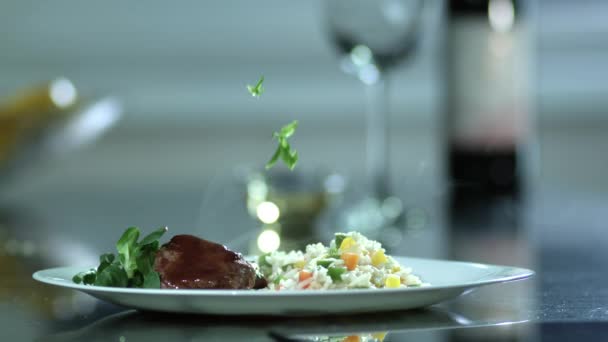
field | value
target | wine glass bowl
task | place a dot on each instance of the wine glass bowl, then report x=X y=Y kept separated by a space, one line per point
x=372 y=36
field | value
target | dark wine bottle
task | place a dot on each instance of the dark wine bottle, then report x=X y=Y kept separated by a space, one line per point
x=486 y=112
x=487 y=132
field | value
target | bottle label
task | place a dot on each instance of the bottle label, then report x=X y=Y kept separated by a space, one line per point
x=489 y=85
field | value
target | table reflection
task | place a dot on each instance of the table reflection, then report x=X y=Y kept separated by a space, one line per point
x=389 y=326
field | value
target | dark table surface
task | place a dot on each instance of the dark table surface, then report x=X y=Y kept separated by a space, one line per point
x=567 y=297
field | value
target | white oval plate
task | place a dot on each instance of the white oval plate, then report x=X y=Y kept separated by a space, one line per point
x=448 y=279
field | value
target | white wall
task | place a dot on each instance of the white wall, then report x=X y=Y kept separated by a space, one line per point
x=189 y=61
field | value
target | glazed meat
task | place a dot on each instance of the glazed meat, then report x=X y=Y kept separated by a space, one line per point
x=260 y=282
x=188 y=262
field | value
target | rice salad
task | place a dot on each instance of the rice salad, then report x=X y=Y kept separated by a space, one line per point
x=351 y=261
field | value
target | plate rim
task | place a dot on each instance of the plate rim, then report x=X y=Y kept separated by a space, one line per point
x=519 y=273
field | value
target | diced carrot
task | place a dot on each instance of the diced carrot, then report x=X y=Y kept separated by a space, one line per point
x=352 y=338
x=304 y=275
x=350 y=260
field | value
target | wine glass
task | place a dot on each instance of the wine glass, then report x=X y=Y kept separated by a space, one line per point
x=372 y=37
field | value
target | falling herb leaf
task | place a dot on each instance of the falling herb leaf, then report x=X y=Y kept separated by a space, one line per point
x=284 y=151
x=258 y=89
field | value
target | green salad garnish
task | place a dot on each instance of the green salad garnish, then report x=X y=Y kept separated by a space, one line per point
x=134 y=266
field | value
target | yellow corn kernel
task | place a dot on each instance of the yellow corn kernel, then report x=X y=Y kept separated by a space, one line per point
x=378 y=258
x=299 y=264
x=392 y=281
x=347 y=243
x=379 y=336
x=396 y=268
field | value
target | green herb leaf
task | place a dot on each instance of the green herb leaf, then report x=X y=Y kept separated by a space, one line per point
x=86 y=278
x=277 y=280
x=151 y=281
x=258 y=89
x=284 y=151
x=126 y=247
x=339 y=238
x=336 y=273
x=135 y=264
x=334 y=253
x=137 y=280
x=262 y=260
x=145 y=257
x=78 y=278
x=274 y=158
x=289 y=157
x=154 y=236
x=107 y=258
x=128 y=238
x=289 y=129
x=89 y=278
x=113 y=275
x=325 y=263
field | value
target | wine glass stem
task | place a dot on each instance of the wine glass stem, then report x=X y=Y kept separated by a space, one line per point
x=377 y=146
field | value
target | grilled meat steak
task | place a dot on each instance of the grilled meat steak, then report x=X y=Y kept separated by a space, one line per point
x=188 y=262
x=260 y=282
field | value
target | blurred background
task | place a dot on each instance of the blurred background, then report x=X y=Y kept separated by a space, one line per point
x=117 y=114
